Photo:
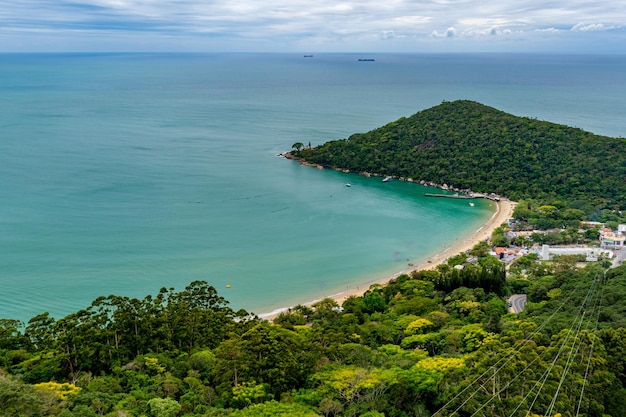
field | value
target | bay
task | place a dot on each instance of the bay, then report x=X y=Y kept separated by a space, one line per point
x=124 y=173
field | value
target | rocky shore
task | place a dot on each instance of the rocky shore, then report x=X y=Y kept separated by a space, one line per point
x=445 y=187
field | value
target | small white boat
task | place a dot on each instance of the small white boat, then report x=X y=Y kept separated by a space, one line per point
x=471 y=204
x=348 y=184
x=387 y=179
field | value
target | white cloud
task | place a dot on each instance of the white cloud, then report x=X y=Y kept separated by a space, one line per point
x=590 y=27
x=498 y=31
x=549 y=30
x=449 y=33
x=411 y=20
x=293 y=24
x=484 y=21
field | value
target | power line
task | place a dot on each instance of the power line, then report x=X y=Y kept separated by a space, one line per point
x=546 y=374
x=593 y=340
x=590 y=298
x=494 y=369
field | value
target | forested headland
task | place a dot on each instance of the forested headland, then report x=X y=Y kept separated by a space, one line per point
x=438 y=342
x=468 y=145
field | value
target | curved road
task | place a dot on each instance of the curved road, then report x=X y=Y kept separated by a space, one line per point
x=620 y=255
x=516 y=303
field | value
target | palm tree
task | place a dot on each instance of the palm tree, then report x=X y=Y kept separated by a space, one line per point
x=297 y=146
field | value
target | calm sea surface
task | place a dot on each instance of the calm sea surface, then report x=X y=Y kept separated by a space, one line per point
x=124 y=173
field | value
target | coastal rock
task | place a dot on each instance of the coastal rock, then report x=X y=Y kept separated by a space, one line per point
x=446 y=187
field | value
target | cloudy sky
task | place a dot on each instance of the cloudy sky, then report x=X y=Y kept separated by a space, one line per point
x=313 y=25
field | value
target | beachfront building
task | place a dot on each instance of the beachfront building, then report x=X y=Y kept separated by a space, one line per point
x=591 y=254
x=508 y=255
x=613 y=240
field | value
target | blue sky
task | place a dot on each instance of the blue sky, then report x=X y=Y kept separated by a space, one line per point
x=313 y=26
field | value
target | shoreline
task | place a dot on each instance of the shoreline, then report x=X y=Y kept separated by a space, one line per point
x=504 y=211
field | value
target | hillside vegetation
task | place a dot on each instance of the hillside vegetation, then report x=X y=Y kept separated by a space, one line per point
x=435 y=343
x=433 y=340
x=468 y=145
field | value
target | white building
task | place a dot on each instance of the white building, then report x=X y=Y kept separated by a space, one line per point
x=614 y=240
x=591 y=254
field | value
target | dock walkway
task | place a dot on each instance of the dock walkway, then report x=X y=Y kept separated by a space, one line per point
x=465 y=196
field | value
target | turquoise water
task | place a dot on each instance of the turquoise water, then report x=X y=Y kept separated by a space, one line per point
x=125 y=173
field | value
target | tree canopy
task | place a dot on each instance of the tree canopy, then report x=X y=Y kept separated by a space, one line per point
x=430 y=343
x=437 y=342
x=468 y=145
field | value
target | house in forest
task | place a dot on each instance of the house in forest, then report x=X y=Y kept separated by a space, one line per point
x=613 y=240
x=507 y=254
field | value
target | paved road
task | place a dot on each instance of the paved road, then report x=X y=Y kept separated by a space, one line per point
x=620 y=255
x=516 y=303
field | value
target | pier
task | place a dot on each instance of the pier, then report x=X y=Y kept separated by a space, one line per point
x=470 y=196
x=464 y=197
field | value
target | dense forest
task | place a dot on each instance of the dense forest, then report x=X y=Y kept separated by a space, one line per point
x=440 y=342
x=468 y=145
x=434 y=343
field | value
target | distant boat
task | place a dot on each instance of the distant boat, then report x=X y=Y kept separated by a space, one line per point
x=471 y=204
x=366 y=60
x=348 y=184
x=387 y=179
x=308 y=56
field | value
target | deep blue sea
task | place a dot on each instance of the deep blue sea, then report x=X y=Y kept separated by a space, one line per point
x=124 y=173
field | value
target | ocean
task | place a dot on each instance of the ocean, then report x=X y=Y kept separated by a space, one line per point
x=124 y=173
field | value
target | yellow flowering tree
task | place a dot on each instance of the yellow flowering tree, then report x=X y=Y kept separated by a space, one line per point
x=61 y=391
x=424 y=379
x=440 y=364
x=354 y=385
x=419 y=326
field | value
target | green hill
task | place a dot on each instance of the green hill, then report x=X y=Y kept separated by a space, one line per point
x=468 y=145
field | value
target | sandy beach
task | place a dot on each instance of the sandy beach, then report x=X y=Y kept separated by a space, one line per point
x=504 y=211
